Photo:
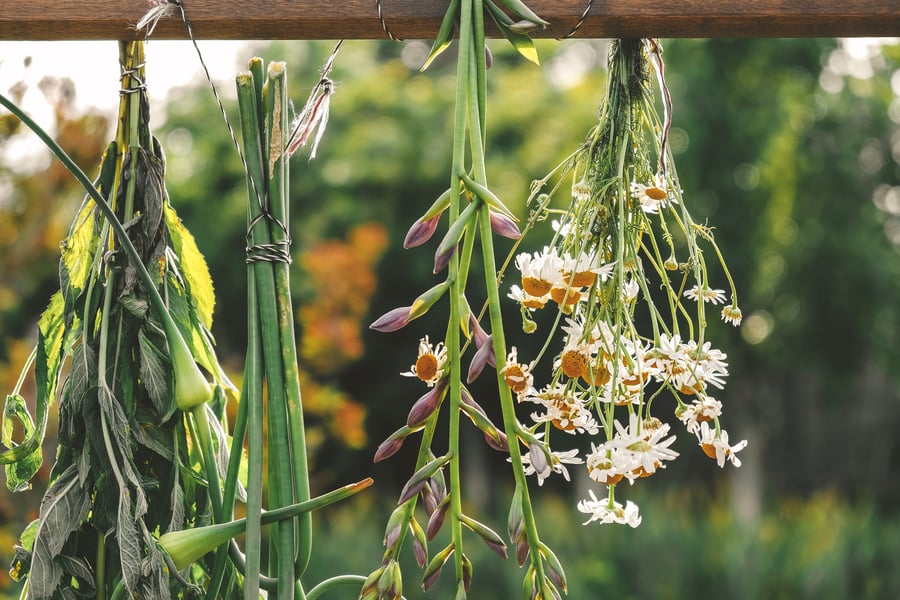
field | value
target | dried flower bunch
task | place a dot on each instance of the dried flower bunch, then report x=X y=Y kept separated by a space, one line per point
x=627 y=273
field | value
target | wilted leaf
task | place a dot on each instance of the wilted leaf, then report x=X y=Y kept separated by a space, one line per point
x=155 y=377
x=51 y=329
x=65 y=506
x=193 y=266
x=129 y=539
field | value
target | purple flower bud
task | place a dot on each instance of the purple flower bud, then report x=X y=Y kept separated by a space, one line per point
x=420 y=552
x=467 y=574
x=388 y=448
x=421 y=231
x=392 y=535
x=488 y=58
x=539 y=460
x=442 y=259
x=504 y=226
x=484 y=355
x=427 y=404
x=521 y=550
x=433 y=570
x=392 y=320
x=436 y=520
x=499 y=443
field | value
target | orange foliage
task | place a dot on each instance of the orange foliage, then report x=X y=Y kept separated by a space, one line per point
x=342 y=275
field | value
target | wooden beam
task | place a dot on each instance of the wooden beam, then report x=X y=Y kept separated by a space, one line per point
x=358 y=19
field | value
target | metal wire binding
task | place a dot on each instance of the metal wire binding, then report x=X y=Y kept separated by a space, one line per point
x=580 y=21
x=132 y=72
x=275 y=252
x=384 y=25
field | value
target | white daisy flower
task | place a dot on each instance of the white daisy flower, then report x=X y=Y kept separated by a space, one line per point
x=706 y=294
x=652 y=196
x=610 y=512
x=717 y=446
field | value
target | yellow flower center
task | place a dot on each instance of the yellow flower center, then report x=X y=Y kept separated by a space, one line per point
x=515 y=378
x=655 y=193
x=427 y=367
x=536 y=287
x=573 y=363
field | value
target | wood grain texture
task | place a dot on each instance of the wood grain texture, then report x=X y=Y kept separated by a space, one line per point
x=358 y=19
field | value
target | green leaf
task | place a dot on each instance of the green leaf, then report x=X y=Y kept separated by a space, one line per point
x=444 y=35
x=19 y=472
x=129 y=538
x=21 y=563
x=523 y=44
x=51 y=329
x=65 y=506
x=156 y=377
x=193 y=267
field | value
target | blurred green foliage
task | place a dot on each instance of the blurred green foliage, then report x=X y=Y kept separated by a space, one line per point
x=791 y=149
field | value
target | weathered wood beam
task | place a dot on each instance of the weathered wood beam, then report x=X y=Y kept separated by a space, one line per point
x=358 y=19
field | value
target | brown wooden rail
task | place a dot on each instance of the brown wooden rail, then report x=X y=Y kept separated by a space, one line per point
x=332 y=19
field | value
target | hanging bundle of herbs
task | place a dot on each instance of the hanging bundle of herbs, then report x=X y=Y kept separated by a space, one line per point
x=130 y=327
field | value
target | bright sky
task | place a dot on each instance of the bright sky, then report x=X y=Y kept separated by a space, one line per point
x=94 y=67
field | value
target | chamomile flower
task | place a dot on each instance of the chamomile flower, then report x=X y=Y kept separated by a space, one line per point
x=715 y=445
x=430 y=363
x=699 y=411
x=652 y=196
x=543 y=463
x=647 y=443
x=527 y=300
x=563 y=409
x=540 y=271
x=517 y=375
x=607 y=511
x=706 y=294
x=732 y=314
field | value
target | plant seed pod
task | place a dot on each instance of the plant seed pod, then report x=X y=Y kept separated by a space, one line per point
x=394 y=526
x=447 y=247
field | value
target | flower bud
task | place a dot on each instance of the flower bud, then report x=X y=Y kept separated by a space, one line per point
x=427 y=404
x=420 y=544
x=427 y=299
x=390 y=584
x=433 y=570
x=490 y=537
x=466 y=578
x=394 y=527
x=421 y=477
x=421 y=231
x=392 y=320
x=481 y=191
x=436 y=520
x=504 y=226
x=554 y=568
x=447 y=247
x=483 y=356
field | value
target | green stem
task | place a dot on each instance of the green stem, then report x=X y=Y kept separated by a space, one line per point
x=334 y=582
x=510 y=424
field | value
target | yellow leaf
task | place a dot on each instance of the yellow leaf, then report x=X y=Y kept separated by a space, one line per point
x=193 y=267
